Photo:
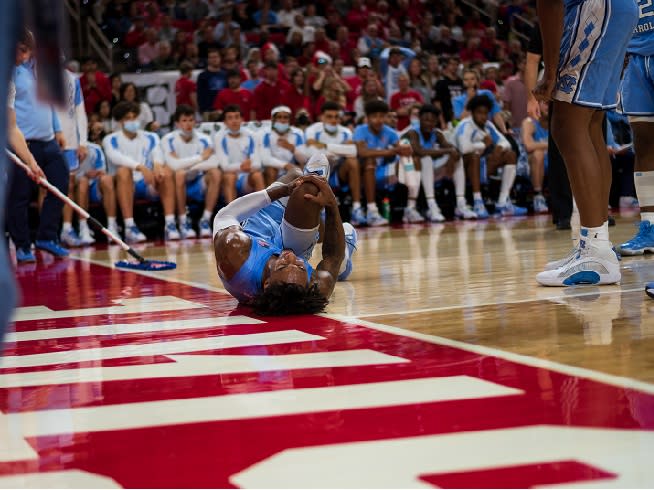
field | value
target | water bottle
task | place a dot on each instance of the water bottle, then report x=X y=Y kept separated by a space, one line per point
x=386 y=208
x=318 y=165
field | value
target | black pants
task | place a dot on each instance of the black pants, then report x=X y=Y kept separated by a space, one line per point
x=21 y=188
x=557 y=179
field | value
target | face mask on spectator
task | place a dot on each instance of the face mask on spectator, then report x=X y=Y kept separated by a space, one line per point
x=233 y=132
x=415 y=120
x=132 y=126
x=281 y=127
x=331 y=128
x=187 y=134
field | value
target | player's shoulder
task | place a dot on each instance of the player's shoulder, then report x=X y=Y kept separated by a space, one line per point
x=314 y=128
x=112 y=139
x=169 y=136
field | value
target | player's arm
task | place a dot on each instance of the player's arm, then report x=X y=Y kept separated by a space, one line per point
x=528 y=137
x=364 y=152
x=231 y=244
x=465 y=140
x=173 y=161
x=550 y=13
x=421 y=151
x=115 y=156
x=333 y=245
x=269 y=160
x=18 y=143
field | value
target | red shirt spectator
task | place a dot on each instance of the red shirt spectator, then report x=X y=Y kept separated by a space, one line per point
x=268 y=93
x=96 y=87
x=402 y=101
x=293 y=96
x=357 y=18
x=185 y=88
x=472 y=51
x=136 y=35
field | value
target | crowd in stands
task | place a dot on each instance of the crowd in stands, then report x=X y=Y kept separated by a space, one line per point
x=398 y=93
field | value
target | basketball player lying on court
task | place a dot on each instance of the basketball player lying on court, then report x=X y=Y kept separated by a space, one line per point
x=263 y=240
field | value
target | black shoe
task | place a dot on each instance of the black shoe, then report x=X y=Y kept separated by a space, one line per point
x=563 y=224
x=611 y=221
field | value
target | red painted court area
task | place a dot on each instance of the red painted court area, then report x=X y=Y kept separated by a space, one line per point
x=139 y=382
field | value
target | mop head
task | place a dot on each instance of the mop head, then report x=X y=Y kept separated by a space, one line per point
x=147 y=265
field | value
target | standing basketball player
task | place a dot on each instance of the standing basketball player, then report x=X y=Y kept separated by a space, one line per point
x=582 y=74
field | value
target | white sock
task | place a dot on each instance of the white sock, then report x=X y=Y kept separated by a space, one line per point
x=83 y=225
x=111 y=221
x=206 y=215
x=431 y=203
x=459 y=179
x=596 y=233
x=181 y=219
x=476 y=196
x=129 y=222
x=508 y=178
x=411 y=204
x=67 y=226
x=427 y=176
x=461 y=202
x=170 y=218
x=372 y=207
x=649 y=216
x=356 y=205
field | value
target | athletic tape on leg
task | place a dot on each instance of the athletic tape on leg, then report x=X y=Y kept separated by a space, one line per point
x=644 y=182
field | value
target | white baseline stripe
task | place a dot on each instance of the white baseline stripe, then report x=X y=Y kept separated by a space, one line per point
x=609 y=379
x=158 y=348
x=130 y=305
x=200 y=365
x=126 y=328
x=255 y=405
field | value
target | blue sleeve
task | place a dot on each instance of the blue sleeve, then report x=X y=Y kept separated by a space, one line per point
x=458 y=104
x=100 y=163
x=359 y=133
x=496 y=107
x=383 y=66
x=56 y=125
x=409 y=54
x=393 y=137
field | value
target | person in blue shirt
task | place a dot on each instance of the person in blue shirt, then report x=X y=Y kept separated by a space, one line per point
x=40 y=124
x=262 y=242
x=637 y=96
x=378 y=150
x=471 y=85
x=535 y=136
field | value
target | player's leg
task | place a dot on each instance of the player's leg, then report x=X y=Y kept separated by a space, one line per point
x=507 y=159
x=472 y=165
x=180 y=195
x=69 y=236
x=427 y=164
x=229 y=186
x=270 y=175
x=165 y=187
x=349 y=171
x=107 y=195
x=256 y=181
x=127 y=190
x=82 y=187
x=537 y=171
x=412 y=182
x=212 y=179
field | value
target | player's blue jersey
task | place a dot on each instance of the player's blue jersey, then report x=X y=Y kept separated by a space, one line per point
x=642 y=42
x=264 y=231
x=540 y=133
x=386 y=138
x=95 y=159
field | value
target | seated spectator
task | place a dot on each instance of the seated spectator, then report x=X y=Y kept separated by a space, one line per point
x=378 y=150
x=149 y=50
x=294 y=96
x=370 y=44
x=357 y=18
x=369 y=92
x=393 y=62
x=391 y=119
x=192 y=56
x=186 y=88
x=286 y=14
x=129 y=93
x=167 y=32
x=95 y=85
x=192 y=157
x=238 y=157
x=210 y=82
x=234 y=95
x=491 y=46
x=253 y=80
x=207 y=43
x=534 y=138
x=330 y=137
x=471 y=85
x=417 y=81
x=223 y=29
x=94 y=184
x=282 y=146
x=243 y=18
x=115 y=81
x=104 y=117
x=447 y=45
x=174 y=10
x=346 y=46
x=333 y=91
x=334 y=22
x=321 y=41
x=477 y=138
x=265 y=17
x=196 y=10
x=474 y=26
x=311 y=18
x=135 y=37
x=431 y=75
x=403 y=100
x=434 y=152
x=230 y=61
x=179 y=44
x=164 y=60
x=472 y=51
x=268 y=93
x=294 y=46
x=96 y=130
x=135 y=158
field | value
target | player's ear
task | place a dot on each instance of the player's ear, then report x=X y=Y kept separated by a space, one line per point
x=266 y=282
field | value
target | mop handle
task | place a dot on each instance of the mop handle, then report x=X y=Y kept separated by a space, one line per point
x=81 y=211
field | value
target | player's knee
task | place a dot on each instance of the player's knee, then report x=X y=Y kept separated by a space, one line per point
x=352 y=164
x=307 y=188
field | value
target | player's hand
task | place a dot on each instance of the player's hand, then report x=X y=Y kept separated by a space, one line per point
x=159 y=173
x=82 y=153
x=453 y=152
x=246 y=165
x=545 y=89
x=61 y=141
x=404 y=150
x=92 y=174
x=533 y=107
x=488 y=140
x=325 y=197
x=206 y=153
x=148 y=175
x=285 y=144
x=154 y=126
x=289 y=166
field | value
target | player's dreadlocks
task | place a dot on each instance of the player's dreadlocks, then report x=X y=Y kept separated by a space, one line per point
x=289 y=299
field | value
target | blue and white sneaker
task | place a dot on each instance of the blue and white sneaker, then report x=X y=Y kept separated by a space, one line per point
x=205 y=228
x=318 y=165
x=509 y=209
x=70 y=238
x=171 y=232
x=373 y=218
x=358 y=218
x=52 y=247
x=649 y=289
x=642 y=242
x=594 y=263
x=464 y=211
x=185 y=230
x=479 y=209
x=540 y=204
x=25 y=256
x=350 y=248
x=134 y=235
